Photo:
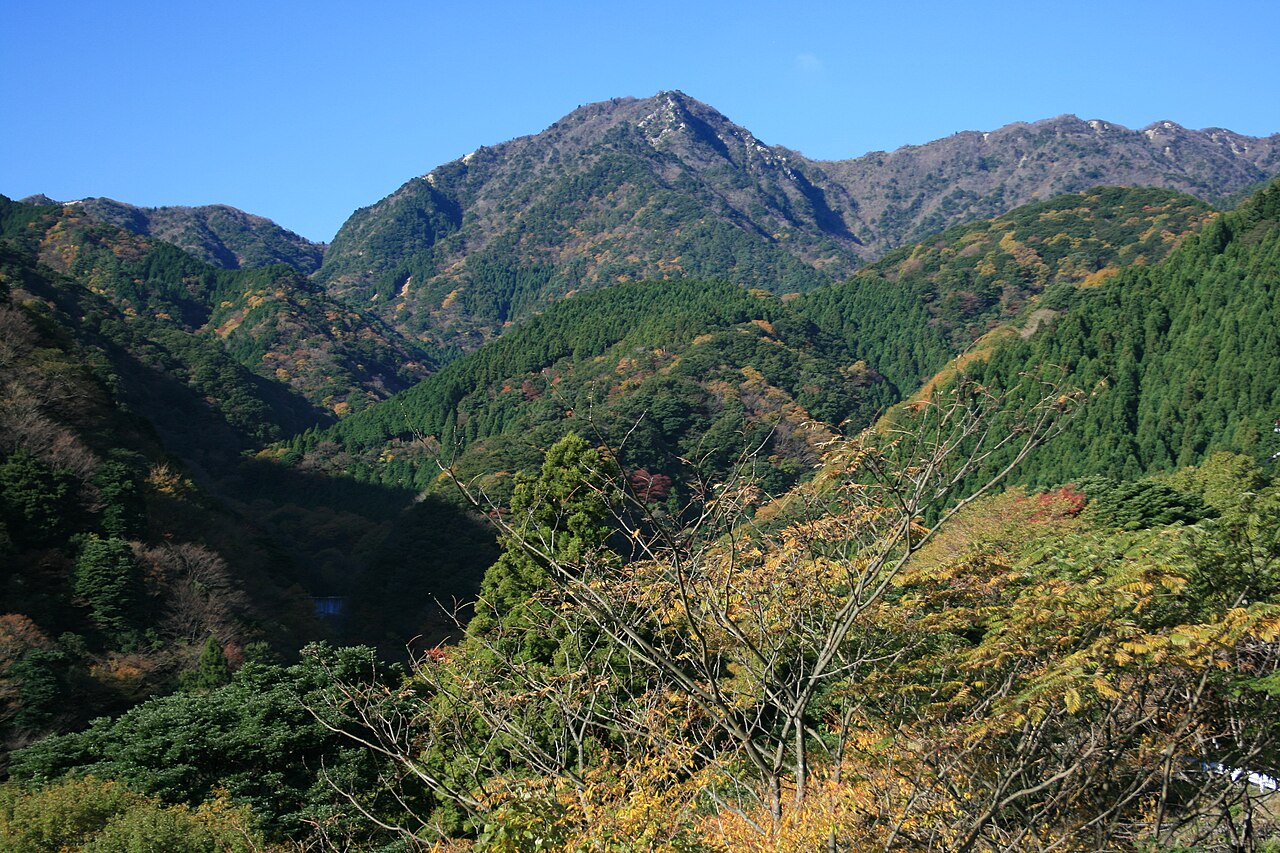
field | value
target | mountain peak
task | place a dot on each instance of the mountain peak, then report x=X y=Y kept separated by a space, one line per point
x=1163 y=125
x=668 y=187
x=39 y=199
x=666 y=104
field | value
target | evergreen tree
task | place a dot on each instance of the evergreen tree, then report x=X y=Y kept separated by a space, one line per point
x=35 y=500
x=560 y=515
x=109 y=581
x=213 y=670
x=123 y=513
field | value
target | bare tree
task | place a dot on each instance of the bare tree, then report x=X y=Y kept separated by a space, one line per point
x=752 y=623
x=747 y=615
x=776 y=658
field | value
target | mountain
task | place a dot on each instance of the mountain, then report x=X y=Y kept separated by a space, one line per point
x=821 y=672
x=273 y=321
x=666 y=187
x=217 y=234
x=625 y=190
x=919 y=190
x=687 y=370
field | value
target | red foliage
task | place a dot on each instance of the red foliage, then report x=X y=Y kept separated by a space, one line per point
x=1063 y=502
x=650 y=488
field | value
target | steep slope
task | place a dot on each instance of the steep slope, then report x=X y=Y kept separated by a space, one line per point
x=658 y=188
x=916 y=308
x=217 y=234
x=118 y=566
x=666 y=187
x=173 y=400
x=1178 y=360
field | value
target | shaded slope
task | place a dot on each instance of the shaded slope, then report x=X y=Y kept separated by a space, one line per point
x=118 y=565
x=198 y=410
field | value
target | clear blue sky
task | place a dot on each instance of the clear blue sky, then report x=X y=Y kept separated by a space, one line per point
x=305 y=111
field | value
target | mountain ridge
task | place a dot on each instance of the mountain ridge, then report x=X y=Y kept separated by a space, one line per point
x=218 y=234
x=668 y=187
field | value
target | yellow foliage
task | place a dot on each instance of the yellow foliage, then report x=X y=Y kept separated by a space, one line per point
x=164 y=480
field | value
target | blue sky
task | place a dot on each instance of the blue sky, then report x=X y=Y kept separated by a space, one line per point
x=303 y=112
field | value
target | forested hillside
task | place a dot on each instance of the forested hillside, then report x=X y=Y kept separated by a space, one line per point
x=973 y=683
x=675 y=371
x=118 y=567
x=135 y=530
x=1179 y=359
x=910 y=312
x=670 y=373
x=273 y=321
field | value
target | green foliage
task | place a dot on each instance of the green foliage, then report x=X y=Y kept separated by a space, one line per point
x=1224 y=481
x=109 y=580
x=35 y=500
x=909 y=313
x=1236 y=554
x=561 y=515
x=212 y=670
x=662 y=370
x=43 y=687
x=59 y=816
x=1179 y=358
x=524 y=825
x=123 y=513
x=92 y=816
x=1140 y=504
x=251 y=738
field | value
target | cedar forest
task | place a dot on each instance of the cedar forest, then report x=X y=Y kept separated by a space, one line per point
x=612 y=491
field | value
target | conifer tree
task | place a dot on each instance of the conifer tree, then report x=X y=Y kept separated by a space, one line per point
x=109 y=581
x=213 y=670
